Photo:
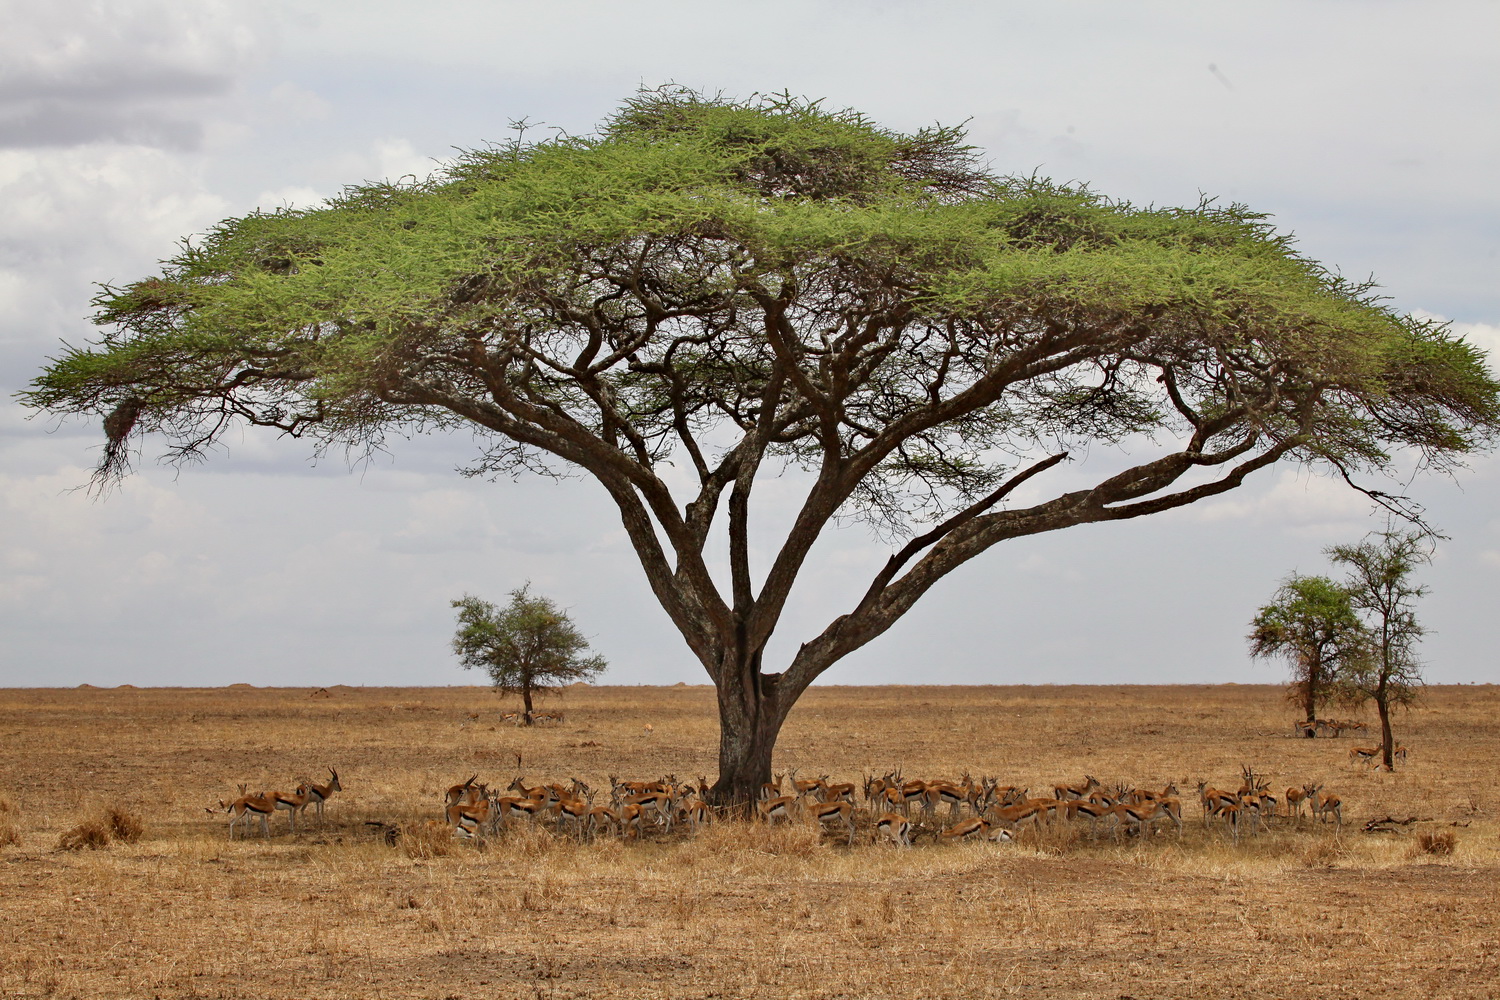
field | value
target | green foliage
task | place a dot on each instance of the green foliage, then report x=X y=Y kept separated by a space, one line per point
x=1311 y=622
x=309 y=320
x=529 y=645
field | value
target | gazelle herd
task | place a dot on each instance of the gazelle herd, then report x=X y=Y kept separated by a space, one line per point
x=263 y=805
x=474 y=809
x=894 y=809
x=1329 y=727
x=1253 y=802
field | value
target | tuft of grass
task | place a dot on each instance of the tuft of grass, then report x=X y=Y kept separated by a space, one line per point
x=91 y=834
x=1436 y=842
x=114 y=824
x=1052 y=839
x=529 y=840
x=426 y=839
x=122 y=825
x=10 y=835
x=1323 y=853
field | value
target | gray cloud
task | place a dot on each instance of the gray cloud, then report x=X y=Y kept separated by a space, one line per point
x=28 y=124
x=136 y=72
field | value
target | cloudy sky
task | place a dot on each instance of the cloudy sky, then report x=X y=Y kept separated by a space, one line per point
x=1366 y=128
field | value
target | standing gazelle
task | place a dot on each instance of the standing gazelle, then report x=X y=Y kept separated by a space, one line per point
x=294 y=803
x=318 y=794
x=258 y=806
x=1321 y=805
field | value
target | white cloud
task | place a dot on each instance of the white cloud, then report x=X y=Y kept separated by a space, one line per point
x=1297 y=499
x=83 y=206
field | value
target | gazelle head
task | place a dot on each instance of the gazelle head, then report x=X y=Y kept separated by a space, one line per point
x=334 y=784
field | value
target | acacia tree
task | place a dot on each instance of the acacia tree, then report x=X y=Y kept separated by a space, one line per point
x=1380 y=570
x=530 y=645
x=1311 y=622
x=742 y=288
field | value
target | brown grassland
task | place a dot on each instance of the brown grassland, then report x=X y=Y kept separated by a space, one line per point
x=737 y=911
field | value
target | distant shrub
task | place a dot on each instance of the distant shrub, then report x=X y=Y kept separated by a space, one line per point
x=1438 y=842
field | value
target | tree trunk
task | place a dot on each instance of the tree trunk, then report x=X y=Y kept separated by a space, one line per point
x=750 y=719
x=526 y=699
x=1310 y=703
x=1386 y=747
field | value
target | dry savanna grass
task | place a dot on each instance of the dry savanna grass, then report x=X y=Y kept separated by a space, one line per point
x=377 y=899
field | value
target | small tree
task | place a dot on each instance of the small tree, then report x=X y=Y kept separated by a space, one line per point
x=1311 y=621
x=528 y=646
x=1380 y=570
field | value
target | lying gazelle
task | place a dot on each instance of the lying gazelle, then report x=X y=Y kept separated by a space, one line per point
x=975 y=829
